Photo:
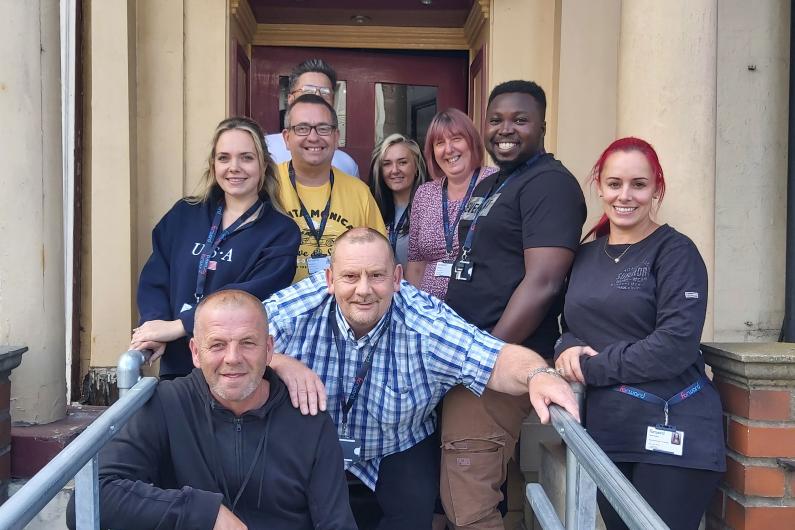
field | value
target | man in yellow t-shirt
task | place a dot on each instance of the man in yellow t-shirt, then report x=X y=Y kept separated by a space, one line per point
x=324 y=202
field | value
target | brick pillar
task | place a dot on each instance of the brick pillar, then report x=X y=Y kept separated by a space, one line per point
x=10 y=357
x=757 y=386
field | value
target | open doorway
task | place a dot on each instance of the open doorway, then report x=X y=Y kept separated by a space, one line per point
x=379 y=92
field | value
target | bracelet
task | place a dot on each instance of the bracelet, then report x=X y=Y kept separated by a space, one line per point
x=542 y=370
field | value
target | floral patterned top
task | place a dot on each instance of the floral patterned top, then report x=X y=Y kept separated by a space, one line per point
x=426 y=232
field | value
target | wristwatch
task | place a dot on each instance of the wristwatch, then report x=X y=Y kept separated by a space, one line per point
x=543 y=370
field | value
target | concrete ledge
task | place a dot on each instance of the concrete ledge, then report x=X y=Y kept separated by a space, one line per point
x=33 y=446
x=764 y=364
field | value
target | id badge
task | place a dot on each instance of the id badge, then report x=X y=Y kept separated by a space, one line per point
x=462 y=270
x=317 y=264
x=351 y=450
x=443 y=269
x=665 y=439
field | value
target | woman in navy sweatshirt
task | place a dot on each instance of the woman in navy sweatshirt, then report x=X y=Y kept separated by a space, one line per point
x=231 y=235
x=634 y=313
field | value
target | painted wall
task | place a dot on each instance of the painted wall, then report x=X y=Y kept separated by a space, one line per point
x=666 y=95
x=31 y=256
x=157 y=89
x=525 y=44
x=587 y=110
x=751 y=169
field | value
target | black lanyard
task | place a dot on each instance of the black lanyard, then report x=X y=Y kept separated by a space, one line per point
x=363 y=370
x=449 y=231
x=212 y=243
x=317 y=233
x=394 y=229
x=467 y=247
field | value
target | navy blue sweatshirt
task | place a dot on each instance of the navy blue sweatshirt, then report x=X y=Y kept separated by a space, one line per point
x=644 y=315
x=167 y=467
x=258 y=258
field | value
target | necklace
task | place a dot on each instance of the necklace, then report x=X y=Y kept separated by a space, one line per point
x=615 y=258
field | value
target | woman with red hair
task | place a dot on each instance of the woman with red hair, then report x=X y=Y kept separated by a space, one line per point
x=454 y=156
x=634 y=313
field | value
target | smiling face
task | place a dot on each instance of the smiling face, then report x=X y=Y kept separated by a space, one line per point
x=313 y=150
x=232 y=348
x=454 y=155
x=515 y=129
x=627 y=189
x=236 y=166
x=399 y=169
x=363 y=278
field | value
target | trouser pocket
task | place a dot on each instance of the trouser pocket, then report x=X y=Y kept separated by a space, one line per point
x=473 y=470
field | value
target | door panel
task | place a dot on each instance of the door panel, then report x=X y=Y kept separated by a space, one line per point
x=361 y=70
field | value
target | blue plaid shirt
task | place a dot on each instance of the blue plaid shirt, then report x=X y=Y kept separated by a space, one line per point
x=433 y=349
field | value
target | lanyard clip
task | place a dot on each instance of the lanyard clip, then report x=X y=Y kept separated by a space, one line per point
x=665 y=410
x=344 y=428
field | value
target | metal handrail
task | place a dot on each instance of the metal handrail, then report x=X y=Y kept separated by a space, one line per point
x=128 y=369
x=588 y=467
x=79 y=460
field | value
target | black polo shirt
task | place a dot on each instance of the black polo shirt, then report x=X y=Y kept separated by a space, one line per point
x=543 y=206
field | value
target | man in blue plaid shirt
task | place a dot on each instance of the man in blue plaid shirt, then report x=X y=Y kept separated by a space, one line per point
x=386 y=353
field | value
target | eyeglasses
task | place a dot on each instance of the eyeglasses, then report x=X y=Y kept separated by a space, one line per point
x=312 y=89
x=322 y=129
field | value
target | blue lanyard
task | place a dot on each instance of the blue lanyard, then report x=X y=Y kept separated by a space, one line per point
x=467 y=247
x=363 y=370
x=449 y=231
x=317 y=233
x=394 y=229
x=693 y=389
x=212 y=243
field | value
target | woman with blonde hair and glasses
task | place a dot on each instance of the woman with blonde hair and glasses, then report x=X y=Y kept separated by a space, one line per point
x=397 y=169
x=231 y=235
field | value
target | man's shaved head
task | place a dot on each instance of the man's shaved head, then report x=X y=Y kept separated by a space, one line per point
x=362 y=235
x=229 y=298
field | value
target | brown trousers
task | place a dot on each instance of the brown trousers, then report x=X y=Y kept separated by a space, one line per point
x=479 y=436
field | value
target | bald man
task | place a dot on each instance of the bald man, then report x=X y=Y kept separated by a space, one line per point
x=223 y=447
x=386 y=353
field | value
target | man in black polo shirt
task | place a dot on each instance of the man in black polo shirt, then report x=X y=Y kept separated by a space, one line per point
x=518 y=237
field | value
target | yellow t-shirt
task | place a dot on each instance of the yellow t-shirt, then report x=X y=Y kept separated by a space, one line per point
x=352 y=206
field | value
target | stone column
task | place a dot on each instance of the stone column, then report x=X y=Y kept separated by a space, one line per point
x=31 y=217
x=757 y=387
x=667 y=95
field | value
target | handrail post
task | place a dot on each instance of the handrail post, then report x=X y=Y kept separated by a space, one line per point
x=580 y=488
x=87 y=496
x=128 y=370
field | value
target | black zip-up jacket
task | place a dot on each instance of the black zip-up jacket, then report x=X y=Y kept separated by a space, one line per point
x=183 y=454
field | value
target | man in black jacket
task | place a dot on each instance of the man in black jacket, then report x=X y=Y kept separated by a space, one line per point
x=223 y=447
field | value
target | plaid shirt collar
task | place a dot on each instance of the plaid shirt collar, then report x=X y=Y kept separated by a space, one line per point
x=370 y=339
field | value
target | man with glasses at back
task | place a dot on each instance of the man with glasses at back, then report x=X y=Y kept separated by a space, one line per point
x=324 y=201
x=313 y=76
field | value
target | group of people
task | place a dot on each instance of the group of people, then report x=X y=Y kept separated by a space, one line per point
x=310 y=325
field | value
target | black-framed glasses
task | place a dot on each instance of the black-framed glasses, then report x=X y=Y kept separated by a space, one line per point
x=304 y=129
x=312 y=89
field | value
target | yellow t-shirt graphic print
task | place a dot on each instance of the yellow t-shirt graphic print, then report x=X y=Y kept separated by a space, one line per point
x=352 y=205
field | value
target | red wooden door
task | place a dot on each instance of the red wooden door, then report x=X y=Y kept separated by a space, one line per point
x=364 y=72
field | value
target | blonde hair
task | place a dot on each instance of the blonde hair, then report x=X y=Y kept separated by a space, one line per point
x=268 y=181
x=381 y=192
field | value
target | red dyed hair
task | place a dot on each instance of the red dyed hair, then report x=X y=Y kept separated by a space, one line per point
x=448 y=123
x=628 y=144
